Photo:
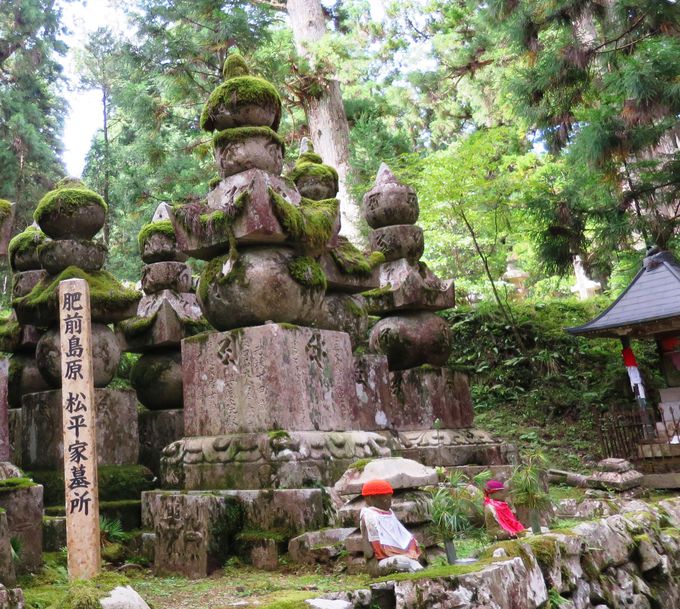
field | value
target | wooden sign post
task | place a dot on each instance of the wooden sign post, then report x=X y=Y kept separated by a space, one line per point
x=79 y=428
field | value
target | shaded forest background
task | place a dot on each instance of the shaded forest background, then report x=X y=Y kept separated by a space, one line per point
x=544 y=130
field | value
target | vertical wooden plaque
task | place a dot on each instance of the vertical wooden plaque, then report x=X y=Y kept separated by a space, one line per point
x=79 y=428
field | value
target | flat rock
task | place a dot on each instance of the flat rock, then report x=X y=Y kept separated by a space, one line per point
x=614 y=465
x=318 y=547
x=619 y=481
x=344 y=282
x=400 y=473
x=123 y=597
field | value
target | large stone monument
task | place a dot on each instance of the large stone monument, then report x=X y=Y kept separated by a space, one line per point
x=167 y=313
x=276 y=404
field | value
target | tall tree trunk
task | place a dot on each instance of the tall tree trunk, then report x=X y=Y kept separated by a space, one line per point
x=325 y=113
x=107 y=175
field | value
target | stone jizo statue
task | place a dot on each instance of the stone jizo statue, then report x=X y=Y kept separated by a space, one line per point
x=499 y=519
x=388 y=546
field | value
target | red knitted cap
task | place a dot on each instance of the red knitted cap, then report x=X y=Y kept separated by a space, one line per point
x=376 y=487
x=494 y=485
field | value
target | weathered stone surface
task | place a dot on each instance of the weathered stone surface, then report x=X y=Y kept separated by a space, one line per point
x=344 y=313
x=263 y=554
x=409 y=287
x=318 y=547
x=587 y=509
x=374 y=397
x=264 y=113
x=173 y=317
x=410 y=507
x=15 y=435
x=157 y=378
x=54 y=533
x=117 y=435
x=187 y=538
x=168 y=275
x=7 y=572
x=268 y=460
x=400 y=473
x=24 y=378
x=159 y=247
x=23 y=508
x=257 y=152
x=55 y=256
x=105 y=355
x=342 y=282
x=6 y=224
x=389 y=202
x=412 y=339
x=246 y=380
x=448 y=447
x=123 y=597
x=84 y=222
x=23 y=282
x=11 y=598
x=158 y=429
x=620 y=481
x=614 y=465
x=607 y=542
x=254 y=288
x=422 y=395
x=9 y=470
x=399 y=241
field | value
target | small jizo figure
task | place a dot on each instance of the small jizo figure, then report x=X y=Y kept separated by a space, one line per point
x=499 y=519
x=388 y=546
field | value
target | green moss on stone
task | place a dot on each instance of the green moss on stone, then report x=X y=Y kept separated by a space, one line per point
x=5 y=208
x=136 y=326
x=162 y=227
x=26 y=240
x=13 y=484
x=240 y=91
x=545 y=549
x=306 y=169
x=69 y=182
x=308 y=272
x=278 y=434
x=309 y=157
x=235 y=66
x=253 y=535
x=360 y=465
x=352 y=261
x=81 y=595
x=146 y=372
x=214 y=181
x=67 y=201
x=195 y=326
x=310 y=223
x=105 y=290
x=9 y=329
x=241 y=134
x=378 y=292
x=213 y=273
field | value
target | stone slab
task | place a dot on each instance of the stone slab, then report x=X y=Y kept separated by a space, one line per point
x=318 y=547
x=24 y=510
x=374 y=397
x=7 y=571
x=665 y=481
x=410 y=507
x=266 y=460
x=268 y=377
x=619 y=481
x=670 y=411
x=168 y=275
x=399 y=472
x=614 y=465
x=117 y=432
x=158 y=429
x=54 y=533
x=422 y=395
x=670 y=394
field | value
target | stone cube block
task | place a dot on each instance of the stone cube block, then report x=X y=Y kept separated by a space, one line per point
x=23 y=507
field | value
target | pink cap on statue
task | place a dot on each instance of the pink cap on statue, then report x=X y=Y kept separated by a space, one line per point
x=494 y=485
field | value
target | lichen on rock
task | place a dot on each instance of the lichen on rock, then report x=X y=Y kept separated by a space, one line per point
x=308 y=272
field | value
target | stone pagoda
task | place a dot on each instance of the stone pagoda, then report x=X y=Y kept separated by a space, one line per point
x=167 y=313
x=62 y=248
x=276 y=403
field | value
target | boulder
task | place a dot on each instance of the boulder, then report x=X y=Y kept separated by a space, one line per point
x=617 y=480
x=55 y=256
x=9 y=470
x=400 y=473
x=238 y=150
x=614 y=465
x=389 y=202
x=157 y=378
x=24 y=281
x=166 y=275
x=123 y=597
x=399 y=241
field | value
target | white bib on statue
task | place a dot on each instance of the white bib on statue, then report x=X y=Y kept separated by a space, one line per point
x=385 y=527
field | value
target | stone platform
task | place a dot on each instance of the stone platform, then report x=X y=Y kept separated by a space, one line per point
x=41 y=435
x=195 y=531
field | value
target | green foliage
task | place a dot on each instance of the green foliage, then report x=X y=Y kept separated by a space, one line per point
x=528 y=481
x=67 y=201
x=450 y=512
x=16 y=548
x=111 y=531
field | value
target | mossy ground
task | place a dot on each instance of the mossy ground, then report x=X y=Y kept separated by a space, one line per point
x=67 y=201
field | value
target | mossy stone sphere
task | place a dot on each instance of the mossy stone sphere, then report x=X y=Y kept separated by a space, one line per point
x=157 y=378
x=71 y=213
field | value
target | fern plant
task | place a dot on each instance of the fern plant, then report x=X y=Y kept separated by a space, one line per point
x=111 y=531
x=527 y=487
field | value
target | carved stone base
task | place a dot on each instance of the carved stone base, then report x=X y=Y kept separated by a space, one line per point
x=267 y=460
x=24 y=510
x=41 y=435
x=268 y=377
x=196 y=531
x=7 y=572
